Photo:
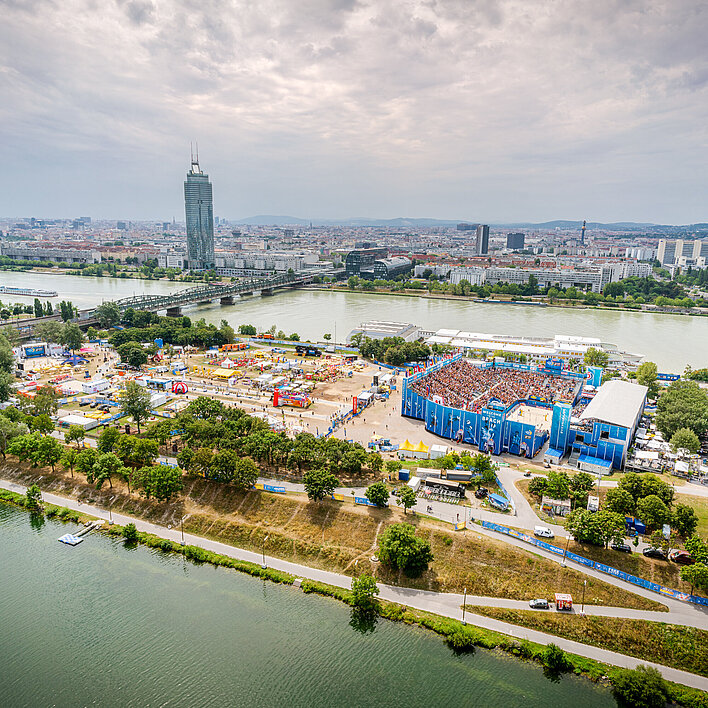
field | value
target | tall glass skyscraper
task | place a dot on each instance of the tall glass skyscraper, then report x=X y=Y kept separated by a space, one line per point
x=199 y=211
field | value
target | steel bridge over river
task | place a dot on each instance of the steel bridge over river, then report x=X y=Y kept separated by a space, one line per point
x=174 y=302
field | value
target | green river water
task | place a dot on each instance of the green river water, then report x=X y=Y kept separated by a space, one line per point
x=102 y=625
x=672 y=341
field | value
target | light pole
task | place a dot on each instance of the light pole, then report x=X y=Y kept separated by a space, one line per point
x=464 y=606
x=565 y=552
x=582 y=604
x=264 y=566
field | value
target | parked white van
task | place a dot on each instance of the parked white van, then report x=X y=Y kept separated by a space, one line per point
x=543 y=532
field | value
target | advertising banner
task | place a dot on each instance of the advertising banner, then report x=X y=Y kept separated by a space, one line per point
x=491 y=435
x=593 y=375
x=560 y=426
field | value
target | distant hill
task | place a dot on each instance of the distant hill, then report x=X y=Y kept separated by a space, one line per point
x=403 y=222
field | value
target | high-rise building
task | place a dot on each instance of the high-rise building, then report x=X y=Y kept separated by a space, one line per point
x=482 y=240
x=199 y=212
x=463 y=226
x=515 y=242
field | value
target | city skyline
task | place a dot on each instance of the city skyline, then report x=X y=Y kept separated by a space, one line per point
x=491 y=111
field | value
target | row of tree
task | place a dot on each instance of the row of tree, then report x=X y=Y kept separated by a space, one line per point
x=391 y=350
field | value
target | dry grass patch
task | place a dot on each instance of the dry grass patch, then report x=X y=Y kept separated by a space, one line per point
x=332 y=536
x=673 y=645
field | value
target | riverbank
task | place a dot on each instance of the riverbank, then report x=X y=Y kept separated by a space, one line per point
x=340 y=538
x=545 y=302
x=458 y=635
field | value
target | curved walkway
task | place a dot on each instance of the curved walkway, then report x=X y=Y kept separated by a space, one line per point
x=445 y=604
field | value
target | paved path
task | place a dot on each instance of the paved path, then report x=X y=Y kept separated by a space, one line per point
x=445 y=604
x=525 y=519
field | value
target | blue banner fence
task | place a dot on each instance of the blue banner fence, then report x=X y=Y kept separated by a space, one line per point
x=633 y=579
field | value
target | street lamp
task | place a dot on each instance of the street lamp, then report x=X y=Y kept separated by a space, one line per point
x=464 y=606
x=582 y=604
x=565 y=552
x=264 y=566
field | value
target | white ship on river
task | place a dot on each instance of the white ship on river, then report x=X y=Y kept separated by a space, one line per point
x=27 y=292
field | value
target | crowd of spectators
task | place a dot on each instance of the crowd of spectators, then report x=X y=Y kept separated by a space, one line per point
x=462 y=385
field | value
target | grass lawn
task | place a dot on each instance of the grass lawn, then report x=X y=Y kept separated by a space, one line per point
x=342 y=537
x=672 y=645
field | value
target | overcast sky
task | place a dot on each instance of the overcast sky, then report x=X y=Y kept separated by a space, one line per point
x=487 y=110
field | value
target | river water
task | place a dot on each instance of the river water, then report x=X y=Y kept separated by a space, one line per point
x=103 y=625
x=672 y=341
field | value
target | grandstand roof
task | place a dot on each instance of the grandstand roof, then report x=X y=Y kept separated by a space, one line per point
x=616 y=402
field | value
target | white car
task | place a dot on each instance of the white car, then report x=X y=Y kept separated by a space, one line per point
x=543 y=532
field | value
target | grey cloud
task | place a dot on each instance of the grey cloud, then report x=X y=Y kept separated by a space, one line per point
x=444 y=97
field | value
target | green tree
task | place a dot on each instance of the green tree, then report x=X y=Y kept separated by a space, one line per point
x=619 y=501
x=598 y=528
x=684 y=519
x=71 y=336
x=85 y=461
x=364 y=591
x=106 y=466
x=653 y=512
x=68 y=458
x=160 y=481
x=698 y=549
x=45 y=402
x=558 y=485
x=38 y=308
x=49 y=451
x=25 y=447
x=108 y=439
x=9 y=430
x=406 y=497
x=378 y=493
x=33 y=498
x=107 y=314
x=223 y=465
x=247 y=330
x=319 y=483
x=682 y=405
x=48 y=331
x=245 y=474
x=375 y=463
x=646 y=376
x=135 y=402
x=75 y=434
x=393 y=467
x=42 y=424
x=642 y=687
x=481 y=464
x=697 y=575
x=685 y=439
x=400 y=548
x=133 y=354
x=596 y=357
x=227 y=332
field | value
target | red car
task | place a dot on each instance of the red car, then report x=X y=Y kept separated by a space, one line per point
x=681 y=557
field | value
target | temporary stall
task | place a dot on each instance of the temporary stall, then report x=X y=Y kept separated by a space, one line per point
x=437 y=451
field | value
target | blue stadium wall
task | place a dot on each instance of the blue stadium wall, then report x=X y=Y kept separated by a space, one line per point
x=489 y=430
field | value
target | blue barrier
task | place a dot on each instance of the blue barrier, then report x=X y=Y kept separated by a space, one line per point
x=633 y=579
x=364 y=501
x=271 y=488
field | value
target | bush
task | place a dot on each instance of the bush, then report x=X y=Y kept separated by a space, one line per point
x=555 y=660
x=130 y=532
x=642 y=687
x=462 y=640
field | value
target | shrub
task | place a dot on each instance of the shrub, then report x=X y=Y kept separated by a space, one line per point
x=131 y=533
x=555 y=659
x=642 y=687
